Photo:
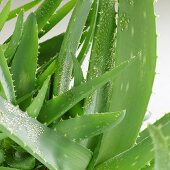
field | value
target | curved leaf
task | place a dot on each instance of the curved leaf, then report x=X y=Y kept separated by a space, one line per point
x=15 y=39
x=4 y=14
x=6 y=78
x=88 y=125
x=53 y=150
x=25 y=7
x=24 y=63
x=57 y=17
x=45 y=11
x=57 y=106
x=162 y=154
x=35 y=106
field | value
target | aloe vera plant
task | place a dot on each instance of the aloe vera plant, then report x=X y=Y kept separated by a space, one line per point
x=53 y=116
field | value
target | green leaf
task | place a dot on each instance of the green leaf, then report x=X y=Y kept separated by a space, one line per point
x=78 y=73
x=25 y=60
x=136 y=157
x=15 y=39
x=2 y=136
x=4 y=14
x=132 y=89
x=35 y=107
x=57 y=106
x=5 y=168
x=6 y=78
x=21 y=160
x=51 y=149
x=160 y=122
x=45 y=11
x=47 y=72
x=88 y=125
x=162 y=154
x=25 y=7
x=70 y=44
x=50 y=48
x=58 y=16
x=89 y=34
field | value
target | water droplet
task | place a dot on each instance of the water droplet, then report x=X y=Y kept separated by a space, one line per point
x=124 y=22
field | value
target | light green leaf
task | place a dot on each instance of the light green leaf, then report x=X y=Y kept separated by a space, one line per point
x=4 y=14
x=161 y=150
x=25 y=7
x=51 y=149
x=45 y=11
x=58 y=16
x=78 y=73
x=24 y=63
x=132 y=41
x=70 y=44
x=57 y=106
x=6 y=78
x=88 y=125
x=15 y=39
x=35 y=106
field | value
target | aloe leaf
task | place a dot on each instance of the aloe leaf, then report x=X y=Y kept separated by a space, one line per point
x=88 y=125
x=133 y=41
x=89 y=34
x=20 y=160
x=2 y=136
x=70 y=44
x=25 y=7
x=50 y=48
x=24 y=63
x=47 y=72
x=57 y=106
x=45 y=11
x=161 y=150
x=51 y=149
x=136 y=157
x=160 y=122
x=58 y=16
x=35 y=107
x=4 y=14
x=78 y=73
x=5 y=168
x=14 y=41
x=6 y=78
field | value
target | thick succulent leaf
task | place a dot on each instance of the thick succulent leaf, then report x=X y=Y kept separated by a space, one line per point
x=15 y=39
x=136 y=157
x=160 y=122
x=6 y=78
x=24 y=63
x=78 y=73
x=69 y=46
x=47 y=72
x=45 y=11
x=35 y=106
x=4 y=14
x=20 y=160
x=57 y=106
x=49 y=48
x=88 y=125
x=6 y=168
x=89 y=34
x=161 y=150
x=58 y=16
x=136 y=36
x=25 y=7
x=51 y=149
x=3 y=136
